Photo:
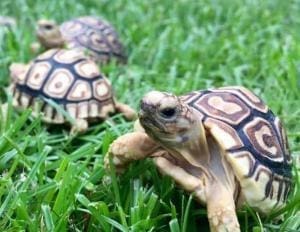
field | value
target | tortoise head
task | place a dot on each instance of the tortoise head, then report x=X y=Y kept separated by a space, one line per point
x=48 y=33
x=168 y=119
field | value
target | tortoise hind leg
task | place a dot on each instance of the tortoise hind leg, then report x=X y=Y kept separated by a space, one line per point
x=80 y=126
x=126 y=110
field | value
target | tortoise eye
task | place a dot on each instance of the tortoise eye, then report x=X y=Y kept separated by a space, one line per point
x=168 y=112
x=48 y=27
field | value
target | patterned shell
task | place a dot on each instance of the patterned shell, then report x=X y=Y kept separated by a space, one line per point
x=96 y=35
x=70 y=80
x=253 y=140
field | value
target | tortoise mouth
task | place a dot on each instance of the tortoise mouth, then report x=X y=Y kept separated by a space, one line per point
x=150 y=123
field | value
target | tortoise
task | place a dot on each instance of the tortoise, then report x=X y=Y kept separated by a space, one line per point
x=70 y=80
x=7 y=21
x=89 y=33
x=7 y=24
x=224 y=145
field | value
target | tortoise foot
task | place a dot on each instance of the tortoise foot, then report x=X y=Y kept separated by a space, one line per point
x=80 y=126
x=127 y=148
x=224 y=220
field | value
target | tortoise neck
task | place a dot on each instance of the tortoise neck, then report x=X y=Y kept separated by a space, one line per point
x=220 y=169
x=193 y=148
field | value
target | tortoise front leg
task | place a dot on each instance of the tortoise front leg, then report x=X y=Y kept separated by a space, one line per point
x=126 y=110
x=129 y=147
x=220 y=204
x=166 y=164
x=221 y=209
x=18 y=71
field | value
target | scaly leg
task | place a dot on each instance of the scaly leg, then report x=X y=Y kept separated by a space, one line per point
x=187 y=181
x=220 y=204
x=18 y=71
x=126 y=110
x=80 y=126
x=221 y=209
x=129 y=147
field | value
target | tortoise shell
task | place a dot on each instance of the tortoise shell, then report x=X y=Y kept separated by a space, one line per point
x=70 y=80
x=96 y=35
x=253 y=140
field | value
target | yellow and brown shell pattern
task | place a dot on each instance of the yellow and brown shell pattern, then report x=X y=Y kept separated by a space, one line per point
x=96 y=35
x=70 y=80
x=253 y=139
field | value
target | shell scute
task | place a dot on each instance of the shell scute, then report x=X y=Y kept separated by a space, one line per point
x=68 y=56
x=264 y=139
x=71 y=29
x=47 y=55
x=284 y=142
x=87 y=69
x=81 y=90
x=59 y=83
x=94 y=108
x=247 y=96
x=38 y=74
x=83 y=109
x=232 y=140
x=246 y=162
x=191 y=97
x=97 y=43
x=25 y=100
x=223 y=107
x=102 y=89
x=72 y=110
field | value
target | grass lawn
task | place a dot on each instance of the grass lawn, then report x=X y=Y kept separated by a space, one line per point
x=51 y=181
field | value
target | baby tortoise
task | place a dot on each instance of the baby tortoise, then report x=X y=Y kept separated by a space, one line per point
x=72 y=81
x=94 y=35
x=7 y=24
x=224 y=145
x=7 y=21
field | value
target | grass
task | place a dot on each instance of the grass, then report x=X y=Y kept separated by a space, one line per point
x=51 y=181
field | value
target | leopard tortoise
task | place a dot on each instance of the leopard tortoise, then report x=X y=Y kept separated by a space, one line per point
x=94 y=35
x=224 y=145
x=70 y=80
x=7 y=21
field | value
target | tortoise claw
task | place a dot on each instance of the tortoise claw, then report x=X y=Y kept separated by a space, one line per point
x=128 y=148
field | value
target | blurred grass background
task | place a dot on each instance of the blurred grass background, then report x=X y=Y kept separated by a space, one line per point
x=51 y=181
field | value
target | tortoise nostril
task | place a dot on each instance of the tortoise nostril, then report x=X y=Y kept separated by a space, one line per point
x=144 y=105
